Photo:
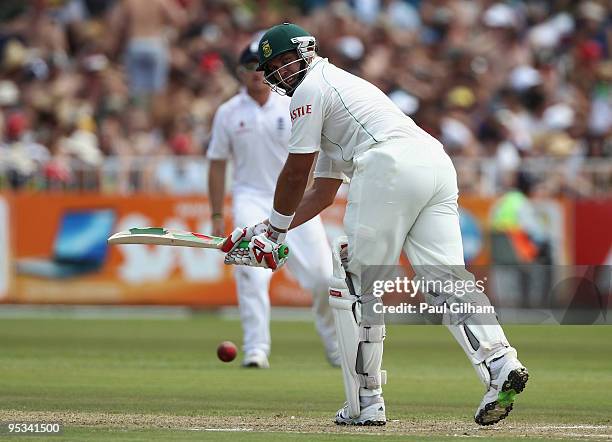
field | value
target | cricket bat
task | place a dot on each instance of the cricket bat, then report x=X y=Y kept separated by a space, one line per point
x=166 y=237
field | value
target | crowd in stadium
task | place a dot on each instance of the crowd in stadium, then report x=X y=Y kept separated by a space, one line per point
x=117 y=94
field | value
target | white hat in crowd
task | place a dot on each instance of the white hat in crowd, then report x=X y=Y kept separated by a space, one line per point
x=500 y=15
x=407 y=103
x=524 y=77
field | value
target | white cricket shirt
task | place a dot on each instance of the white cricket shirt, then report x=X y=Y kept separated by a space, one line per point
x=255 y=137
x=341 y=115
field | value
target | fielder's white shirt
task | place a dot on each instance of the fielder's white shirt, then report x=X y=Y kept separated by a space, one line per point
x=255 y=137
x=340 y=116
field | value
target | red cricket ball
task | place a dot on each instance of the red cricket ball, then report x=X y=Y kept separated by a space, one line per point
x=227 y=351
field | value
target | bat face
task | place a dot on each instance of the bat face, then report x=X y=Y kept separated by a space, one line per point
x=166 y=237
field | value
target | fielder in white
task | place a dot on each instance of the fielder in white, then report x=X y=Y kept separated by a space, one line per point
x=402 y=197
x=253 y=128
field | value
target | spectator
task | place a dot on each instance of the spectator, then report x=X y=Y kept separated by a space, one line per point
x=142 y=25
x=486 y=76
x=178 y=174
x=22 y=156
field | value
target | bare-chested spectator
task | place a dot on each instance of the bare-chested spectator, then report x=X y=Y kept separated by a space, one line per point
x=142 y=24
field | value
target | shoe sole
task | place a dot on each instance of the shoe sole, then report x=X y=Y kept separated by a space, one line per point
x=372 y=422
x=364 y=424
x=495 y=411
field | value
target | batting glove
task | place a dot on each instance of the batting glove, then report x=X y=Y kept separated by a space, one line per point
x=240 y=234
x=263 y=252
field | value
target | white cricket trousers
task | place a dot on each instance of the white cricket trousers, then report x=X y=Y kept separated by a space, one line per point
x=403 y=196
x=309 y=261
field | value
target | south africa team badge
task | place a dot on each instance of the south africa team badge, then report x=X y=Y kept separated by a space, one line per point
x=266 y=49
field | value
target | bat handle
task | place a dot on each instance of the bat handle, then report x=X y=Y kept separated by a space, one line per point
x=283 y=250
x=244 y=244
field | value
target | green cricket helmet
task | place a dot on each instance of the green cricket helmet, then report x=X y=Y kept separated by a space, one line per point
x=279 y=40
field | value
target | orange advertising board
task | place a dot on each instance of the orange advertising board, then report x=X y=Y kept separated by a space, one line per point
x=53 y=250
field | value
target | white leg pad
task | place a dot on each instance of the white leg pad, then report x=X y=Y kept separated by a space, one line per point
x=360 y=345
x=480 y=335
x=347 y=332
x=369 y=359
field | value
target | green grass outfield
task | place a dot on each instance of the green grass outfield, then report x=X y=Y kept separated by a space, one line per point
x=150 y=379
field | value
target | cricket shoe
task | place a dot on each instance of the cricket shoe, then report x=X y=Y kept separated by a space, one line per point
x=371 y=415
x=509 y=381
x=255 y=359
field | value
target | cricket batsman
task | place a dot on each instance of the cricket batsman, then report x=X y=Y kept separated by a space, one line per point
x=402 y=197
